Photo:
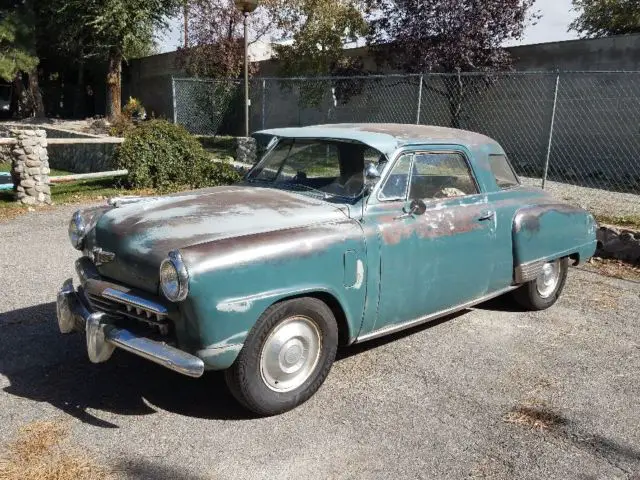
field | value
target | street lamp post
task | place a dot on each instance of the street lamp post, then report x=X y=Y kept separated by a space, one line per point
x=246 y=7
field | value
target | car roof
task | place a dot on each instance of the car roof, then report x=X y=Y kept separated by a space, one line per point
x=388 y=137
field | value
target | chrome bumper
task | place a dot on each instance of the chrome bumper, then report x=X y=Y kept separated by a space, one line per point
x=103 y=338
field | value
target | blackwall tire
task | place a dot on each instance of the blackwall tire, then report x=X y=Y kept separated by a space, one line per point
x=286 y=357
x=543 y=293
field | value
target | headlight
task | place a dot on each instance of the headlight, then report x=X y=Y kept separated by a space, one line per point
x=77 y=230
x=174 y=279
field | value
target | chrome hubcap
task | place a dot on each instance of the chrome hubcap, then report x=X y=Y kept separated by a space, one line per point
x=290 y=354
x=548 y=279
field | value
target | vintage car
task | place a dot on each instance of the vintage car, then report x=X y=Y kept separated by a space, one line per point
x=340 y=234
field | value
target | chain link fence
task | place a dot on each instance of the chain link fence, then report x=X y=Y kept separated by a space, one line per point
x=574 y=128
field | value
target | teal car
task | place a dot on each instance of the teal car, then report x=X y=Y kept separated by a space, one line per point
x=339 y=235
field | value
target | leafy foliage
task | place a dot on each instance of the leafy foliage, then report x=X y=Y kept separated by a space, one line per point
x=449 y=35
x=161 y=155
x=452 y=36
x=319 y=29
x=602 y=18
x=17 y=46
x=216 y=37
x=113 y=29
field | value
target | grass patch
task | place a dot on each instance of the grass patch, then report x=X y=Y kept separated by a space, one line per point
x=70 y=193
x=218 y=147
x=628 y=221
x=41 y=452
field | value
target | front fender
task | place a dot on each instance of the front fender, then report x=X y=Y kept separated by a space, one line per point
x=233 y=281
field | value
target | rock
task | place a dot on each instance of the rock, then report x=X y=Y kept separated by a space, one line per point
x=32 y=163
x=619 y=244
x=29 y=200
x=33 y=171
x=43 y=188
x=28 y=183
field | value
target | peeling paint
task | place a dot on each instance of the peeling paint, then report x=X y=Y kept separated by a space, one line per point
x=359 y=274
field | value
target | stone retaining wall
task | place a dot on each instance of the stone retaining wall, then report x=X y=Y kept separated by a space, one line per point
x=619 y=243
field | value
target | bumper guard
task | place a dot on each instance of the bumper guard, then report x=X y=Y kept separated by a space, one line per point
x=103 y=338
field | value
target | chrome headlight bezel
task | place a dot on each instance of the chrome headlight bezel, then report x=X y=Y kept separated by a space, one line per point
x=178 y=289
x=77 y=230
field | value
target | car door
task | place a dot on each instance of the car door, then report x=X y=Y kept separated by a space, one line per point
x=440 y=258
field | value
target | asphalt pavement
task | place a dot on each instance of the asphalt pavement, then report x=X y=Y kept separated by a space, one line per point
x=490 y=393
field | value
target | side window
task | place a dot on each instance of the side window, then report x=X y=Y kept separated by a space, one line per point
x=395 y=187
x=441 y=175
x=501 y=168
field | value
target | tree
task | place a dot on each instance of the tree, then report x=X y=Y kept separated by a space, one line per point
x=113 y=28
x=603 y=18
x=18 y=56
x=453 y=36
x=215 y=34
x=319 y=30
x=17 y=52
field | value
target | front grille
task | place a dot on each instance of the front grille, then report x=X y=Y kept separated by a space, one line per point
x=124 y=307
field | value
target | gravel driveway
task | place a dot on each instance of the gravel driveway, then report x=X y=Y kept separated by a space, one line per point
x=490 y=393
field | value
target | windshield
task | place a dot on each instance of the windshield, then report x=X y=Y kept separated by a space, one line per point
x=333 y=170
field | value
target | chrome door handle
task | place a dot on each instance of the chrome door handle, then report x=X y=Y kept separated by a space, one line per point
x=486 y=216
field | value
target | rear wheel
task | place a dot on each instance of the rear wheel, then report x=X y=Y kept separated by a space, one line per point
x=544 y=291
x=286 y=357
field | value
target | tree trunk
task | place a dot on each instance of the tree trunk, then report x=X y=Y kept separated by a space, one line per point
x=79 y=107
x=16 y=94
x=114 y=87
x=455 y=95
x=35 y=94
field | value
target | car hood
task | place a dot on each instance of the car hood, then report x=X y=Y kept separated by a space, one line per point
x=141 y=234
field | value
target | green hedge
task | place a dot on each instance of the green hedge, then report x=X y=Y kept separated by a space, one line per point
x=164 y=156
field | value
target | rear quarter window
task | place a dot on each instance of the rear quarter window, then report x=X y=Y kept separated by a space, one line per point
x=503 y=172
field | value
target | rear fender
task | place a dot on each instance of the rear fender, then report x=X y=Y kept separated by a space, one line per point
x=549 y=231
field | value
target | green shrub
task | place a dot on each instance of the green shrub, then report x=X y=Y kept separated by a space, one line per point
x=164 y=156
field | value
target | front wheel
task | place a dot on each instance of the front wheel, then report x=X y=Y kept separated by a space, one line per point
x=286 y=357
x=544 y=291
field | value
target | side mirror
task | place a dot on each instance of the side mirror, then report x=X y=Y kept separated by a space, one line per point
x=417 y=207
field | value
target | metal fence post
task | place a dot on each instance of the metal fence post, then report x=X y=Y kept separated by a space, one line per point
x=553 y=120
x=264 y=101
x=419 y=100
x=173 y=99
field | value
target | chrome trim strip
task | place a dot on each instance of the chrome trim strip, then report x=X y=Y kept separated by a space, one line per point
x=160 y=353
x=134 y=301
x=434 y=316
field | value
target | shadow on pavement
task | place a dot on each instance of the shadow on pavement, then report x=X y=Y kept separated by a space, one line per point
x=145 y=470
x=45 y=366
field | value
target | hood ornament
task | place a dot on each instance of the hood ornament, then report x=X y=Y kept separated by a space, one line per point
x=100 y=257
